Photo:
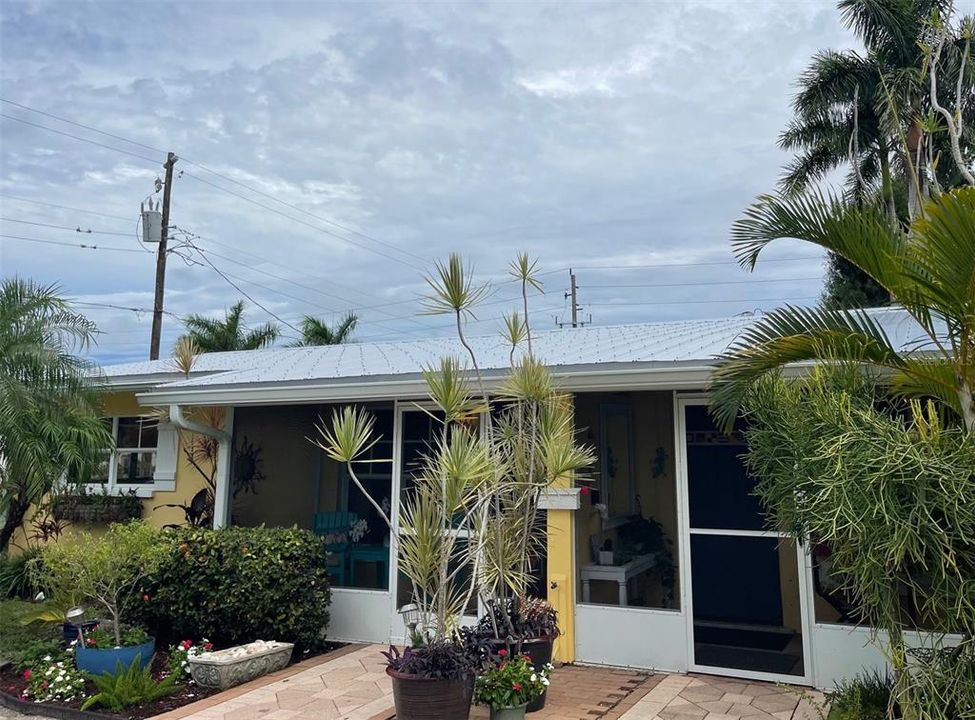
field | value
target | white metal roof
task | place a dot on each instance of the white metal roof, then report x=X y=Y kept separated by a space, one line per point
x=650 y=348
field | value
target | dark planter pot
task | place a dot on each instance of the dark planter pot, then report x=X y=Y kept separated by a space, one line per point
x=419 y=698
x=540 y=651
x=97 y=661
x=69 y=631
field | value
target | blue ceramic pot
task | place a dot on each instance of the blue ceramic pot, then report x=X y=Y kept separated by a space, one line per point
x=97 y=661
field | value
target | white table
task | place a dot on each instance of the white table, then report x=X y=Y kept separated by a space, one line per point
x=621 y=574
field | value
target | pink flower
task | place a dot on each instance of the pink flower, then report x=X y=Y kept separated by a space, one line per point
x=516 y=686
x=27 y=674
x=502 y=653
x=584 y=490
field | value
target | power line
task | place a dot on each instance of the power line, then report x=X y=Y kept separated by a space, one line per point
x=305 y=212
x=67 y=244
x=692 y=264
x=350 y=308
x=716 y=282
x=77 y=137
x=147 y=311
x=299 y=220
x=203 y=251
x=250 y=188
x=696 y=302
x=65 y=207
x=78 y=229
x=78 y=124
x=236 y=287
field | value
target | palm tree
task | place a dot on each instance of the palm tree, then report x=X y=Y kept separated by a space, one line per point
x=930 y=272
x=315 y=331
x=231 y=333
x=49 y=412
x=872 y=114
x=861 y=110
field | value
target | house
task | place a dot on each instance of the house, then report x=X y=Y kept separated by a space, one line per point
x=690 y=579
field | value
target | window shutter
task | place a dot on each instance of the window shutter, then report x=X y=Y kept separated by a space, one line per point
x=166 y=454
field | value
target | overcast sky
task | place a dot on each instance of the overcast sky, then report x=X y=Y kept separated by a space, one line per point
x=613 y=136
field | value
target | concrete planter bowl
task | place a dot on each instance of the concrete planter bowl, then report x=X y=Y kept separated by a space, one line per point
x=225 y=668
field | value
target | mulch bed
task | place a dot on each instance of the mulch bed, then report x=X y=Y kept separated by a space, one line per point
x=12 y=685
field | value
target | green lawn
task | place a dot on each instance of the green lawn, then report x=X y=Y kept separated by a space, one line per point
x=15 y=636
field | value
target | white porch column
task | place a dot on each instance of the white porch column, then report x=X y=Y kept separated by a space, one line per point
x=223 y=492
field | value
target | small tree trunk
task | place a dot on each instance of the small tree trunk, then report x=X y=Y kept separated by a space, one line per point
x=13 y=520
x=967 y=403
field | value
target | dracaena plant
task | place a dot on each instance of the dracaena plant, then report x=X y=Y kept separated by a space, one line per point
x=497 y=450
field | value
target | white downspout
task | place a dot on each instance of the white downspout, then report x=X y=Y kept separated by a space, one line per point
x=224 y=438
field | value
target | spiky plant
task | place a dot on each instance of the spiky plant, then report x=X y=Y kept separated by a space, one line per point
x=495 y=454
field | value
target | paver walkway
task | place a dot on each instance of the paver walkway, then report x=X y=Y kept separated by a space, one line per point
x=588 y=693
x=350 y=686
x=707 y=697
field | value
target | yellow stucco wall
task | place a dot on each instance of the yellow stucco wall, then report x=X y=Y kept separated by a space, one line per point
x=188 y=483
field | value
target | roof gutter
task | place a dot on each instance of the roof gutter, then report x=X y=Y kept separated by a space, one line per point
x=177 y=418
x=659 y=378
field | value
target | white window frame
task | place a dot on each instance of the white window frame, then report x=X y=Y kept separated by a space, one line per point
x=142 y=490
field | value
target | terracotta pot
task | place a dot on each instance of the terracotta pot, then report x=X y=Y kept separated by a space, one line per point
x=419 y=698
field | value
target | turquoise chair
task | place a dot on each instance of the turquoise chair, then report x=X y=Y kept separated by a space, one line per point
x=335 y=523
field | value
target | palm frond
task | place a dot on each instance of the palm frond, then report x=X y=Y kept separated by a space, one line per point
x=861 y=234
x=791 y=335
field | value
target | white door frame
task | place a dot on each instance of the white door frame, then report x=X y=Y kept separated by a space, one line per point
x=682 y=401
x=397 y=630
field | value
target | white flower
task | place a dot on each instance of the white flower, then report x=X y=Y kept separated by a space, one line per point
x=534 y=677
x=47 y=658
x=545 y=681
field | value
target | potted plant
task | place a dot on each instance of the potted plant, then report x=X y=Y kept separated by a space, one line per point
x=509 y=684
x=481 y=479
x=435 y=676
x=105 y=572
x=432 y=680
x=528 y=626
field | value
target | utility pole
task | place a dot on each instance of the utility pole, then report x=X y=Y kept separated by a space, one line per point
x=572 y=292
x=157 y=305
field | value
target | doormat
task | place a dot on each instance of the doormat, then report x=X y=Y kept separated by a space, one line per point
x=741 y=637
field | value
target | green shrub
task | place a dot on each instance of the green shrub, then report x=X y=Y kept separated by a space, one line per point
x=103 y=571
x=864 y=697
x=16 y=580
x=129 y=686
x=237 y=584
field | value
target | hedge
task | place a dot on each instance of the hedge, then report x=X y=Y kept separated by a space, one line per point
x=236 y=585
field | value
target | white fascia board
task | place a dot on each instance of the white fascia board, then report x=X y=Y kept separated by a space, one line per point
x=659 y=378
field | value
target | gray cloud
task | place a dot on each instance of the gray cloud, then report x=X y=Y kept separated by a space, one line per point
x=590 y=135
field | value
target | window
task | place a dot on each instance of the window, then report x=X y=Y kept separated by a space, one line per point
x=143 y=459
